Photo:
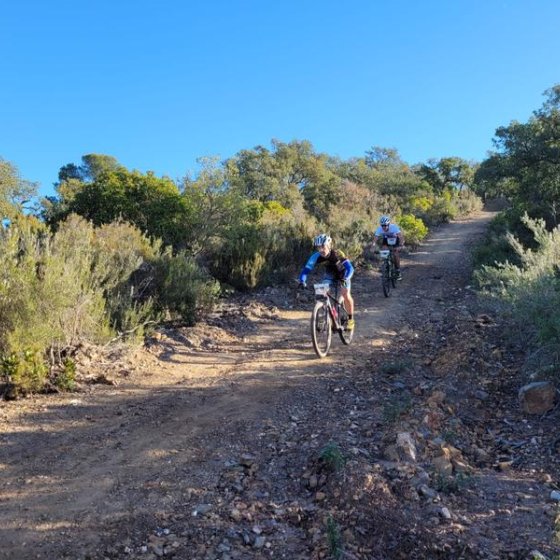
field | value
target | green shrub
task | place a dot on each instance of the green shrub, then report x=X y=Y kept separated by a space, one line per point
x=57 y=290
x=353 y=237
x=496 y=246
x=447 y=484
x=119 y=250
x=448 y=205
x=65 y=379
x=24 y=372
x=334 y=539
x=413 y=228
x=241 y=259
x=258 y=254
x=394 y=409
x=531 y=292
x=184 y=290
x=494 y=250
x=332 y=457
x=466 y=202
x=442 y=210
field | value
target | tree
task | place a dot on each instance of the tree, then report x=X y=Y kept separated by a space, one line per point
x=213 y=207
x=265 y=175
x=526 y=163
x=102 y=191
x=93 y=166
x=379 y=157
x=449 y=173
x=72 y=180
x=291 y=174
x=15 y=192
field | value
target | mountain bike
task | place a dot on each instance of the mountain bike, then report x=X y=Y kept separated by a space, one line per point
x=388 y=271
x=329 y=314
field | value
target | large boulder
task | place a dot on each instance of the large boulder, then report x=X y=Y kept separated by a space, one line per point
x=537 y=397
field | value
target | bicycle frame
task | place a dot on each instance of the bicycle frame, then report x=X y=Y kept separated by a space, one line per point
x=323 y=292
x=329 y=314
x=388 y=279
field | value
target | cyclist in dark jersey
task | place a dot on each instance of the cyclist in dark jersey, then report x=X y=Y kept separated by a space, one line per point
x=338 y=268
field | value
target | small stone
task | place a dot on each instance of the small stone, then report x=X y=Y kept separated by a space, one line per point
x=555 y=495
x=426 y=491
x=536 y=555
x=202 y=509
x=235 y=514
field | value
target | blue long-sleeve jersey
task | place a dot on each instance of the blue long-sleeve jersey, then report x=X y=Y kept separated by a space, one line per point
x=337 y=265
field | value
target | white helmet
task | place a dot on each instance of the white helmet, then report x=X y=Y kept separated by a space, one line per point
x=384 y=220
x=321 y=240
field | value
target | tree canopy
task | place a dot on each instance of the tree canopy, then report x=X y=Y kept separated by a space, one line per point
x=15 y=192
x=526 y=163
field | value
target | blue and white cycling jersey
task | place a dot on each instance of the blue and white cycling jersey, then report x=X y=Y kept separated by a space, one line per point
x=389 y=235
x=337 y=266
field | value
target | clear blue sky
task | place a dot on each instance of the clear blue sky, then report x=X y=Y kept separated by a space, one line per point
x=159 y=84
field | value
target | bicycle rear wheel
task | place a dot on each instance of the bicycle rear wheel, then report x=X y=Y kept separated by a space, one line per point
x=321 y=332
x=345 y=335
x=386 y=278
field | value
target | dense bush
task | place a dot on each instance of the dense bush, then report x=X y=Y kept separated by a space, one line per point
x=256 y=254
x=46 y=297
x=497 y=247
x=78 y=284
x=414 y=230
x=442 y=210
x=437 y=209
x=530 y=292
x=184 y=291
x=466 y=202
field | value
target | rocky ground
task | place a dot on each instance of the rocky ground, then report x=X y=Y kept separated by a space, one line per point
x=231 y=440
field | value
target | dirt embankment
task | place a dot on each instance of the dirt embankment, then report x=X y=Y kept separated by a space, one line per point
x=231 y=440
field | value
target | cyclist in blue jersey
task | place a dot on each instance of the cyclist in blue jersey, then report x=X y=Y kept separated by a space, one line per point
x=337 y=268
x=390 y=236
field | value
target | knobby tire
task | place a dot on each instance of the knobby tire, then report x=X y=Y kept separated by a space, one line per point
x=321 y=329
x=345 y=335
x=386 y=279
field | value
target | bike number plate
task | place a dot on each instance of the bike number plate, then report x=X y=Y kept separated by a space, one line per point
x=384 y=253
x=321 y=289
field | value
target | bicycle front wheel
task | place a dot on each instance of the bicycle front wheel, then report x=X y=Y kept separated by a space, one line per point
x=393 y=273
x=321 y=331
x=386 y=279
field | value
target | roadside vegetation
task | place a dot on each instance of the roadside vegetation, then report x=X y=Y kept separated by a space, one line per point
x=116 y=252
x=520 y=263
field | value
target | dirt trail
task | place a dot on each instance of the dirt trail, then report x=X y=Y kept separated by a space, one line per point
x=211 y=421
